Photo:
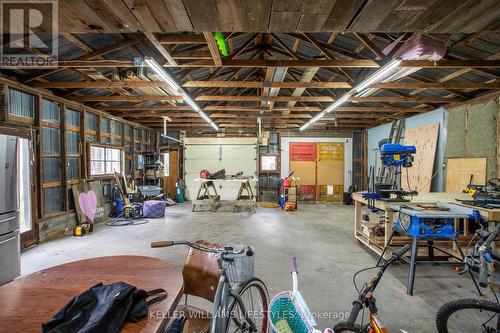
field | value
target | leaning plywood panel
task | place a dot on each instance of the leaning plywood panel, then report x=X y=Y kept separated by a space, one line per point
x=459 y=171
x=424 y=138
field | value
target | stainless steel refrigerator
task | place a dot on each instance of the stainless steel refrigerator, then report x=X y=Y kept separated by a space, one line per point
x=10 y=262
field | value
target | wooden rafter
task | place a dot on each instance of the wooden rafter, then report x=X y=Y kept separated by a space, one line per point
x=214 y=49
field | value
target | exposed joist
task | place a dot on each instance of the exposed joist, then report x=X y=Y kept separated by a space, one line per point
x=264 y=98
x=85 y=59
x=259 y=84
x=123 y=98
x=214 y=49
x=352 y=63
x=370 y=45
x=182 y=39
x=163 y=49
x=436 y=85
x=402 y=99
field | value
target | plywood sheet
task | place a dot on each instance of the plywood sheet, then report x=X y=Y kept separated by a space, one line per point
x=419 y=176
x=330 y=172
x=459 y=170
x=306 y=170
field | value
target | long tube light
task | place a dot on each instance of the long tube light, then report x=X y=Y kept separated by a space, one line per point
x=375 y=77
x=175 y=86
x=378 y=75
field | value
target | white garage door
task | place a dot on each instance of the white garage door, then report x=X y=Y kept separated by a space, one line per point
x=234 y=155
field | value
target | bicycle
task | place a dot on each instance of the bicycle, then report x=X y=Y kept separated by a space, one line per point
x=234 y=309
x=366 y=300
x=469 y=314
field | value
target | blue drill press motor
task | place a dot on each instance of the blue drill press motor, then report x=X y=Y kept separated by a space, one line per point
x=395 y=154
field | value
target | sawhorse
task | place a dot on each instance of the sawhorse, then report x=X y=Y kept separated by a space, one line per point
x=206 y=197
x=245 y=197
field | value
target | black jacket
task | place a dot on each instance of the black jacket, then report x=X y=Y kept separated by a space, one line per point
x=103 y=309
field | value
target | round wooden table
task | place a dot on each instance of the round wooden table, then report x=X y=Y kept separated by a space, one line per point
x=31 y=300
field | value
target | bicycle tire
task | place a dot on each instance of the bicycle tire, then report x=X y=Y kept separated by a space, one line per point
x=344 y=326
x=448 y=309
x=264 y=295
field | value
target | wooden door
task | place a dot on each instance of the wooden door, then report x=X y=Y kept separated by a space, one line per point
x=173 y=175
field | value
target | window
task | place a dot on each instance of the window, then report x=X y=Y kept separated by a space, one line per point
x=21 y=104
x=105 y=161
x=268 y=163
x=90 y=126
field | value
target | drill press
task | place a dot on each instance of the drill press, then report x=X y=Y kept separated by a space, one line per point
x=394 y=157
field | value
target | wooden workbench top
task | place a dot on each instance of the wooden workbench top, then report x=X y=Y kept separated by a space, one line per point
x=433 y=197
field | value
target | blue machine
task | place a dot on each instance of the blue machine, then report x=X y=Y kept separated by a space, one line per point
x=425 y=228
x=420 y=223
x=398 y=155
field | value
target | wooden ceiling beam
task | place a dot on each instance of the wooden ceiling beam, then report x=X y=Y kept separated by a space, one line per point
x=259 y=84
x=164 y=50
x=370 y=45
x=214 y=49
x=436 y=85
x=182 y=39
x=85 y=58
x=351 y=63
x=124 y=98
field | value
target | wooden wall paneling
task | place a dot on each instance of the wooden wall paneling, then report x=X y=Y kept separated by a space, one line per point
x=459 y=170
x=419 y=176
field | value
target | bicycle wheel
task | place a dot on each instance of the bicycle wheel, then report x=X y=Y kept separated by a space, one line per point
x=344 y=326
x=468 y=315
x=256 y=301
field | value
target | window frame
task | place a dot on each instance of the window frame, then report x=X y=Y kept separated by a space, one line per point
x=276 y=158
x=105 y=147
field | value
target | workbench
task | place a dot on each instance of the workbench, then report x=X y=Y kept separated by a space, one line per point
x=208 y=197
x=377 y=244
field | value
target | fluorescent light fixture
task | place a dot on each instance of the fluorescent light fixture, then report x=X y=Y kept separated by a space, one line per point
x=175 y=86
x=337 y=103
x=378 y=75
x=161 y=73
x=375 y=77
x=313 y=120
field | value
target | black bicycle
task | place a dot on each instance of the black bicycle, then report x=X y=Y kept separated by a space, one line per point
x=474 y=314
x=367 y=300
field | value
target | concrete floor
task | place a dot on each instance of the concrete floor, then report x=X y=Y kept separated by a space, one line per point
x=319 y=235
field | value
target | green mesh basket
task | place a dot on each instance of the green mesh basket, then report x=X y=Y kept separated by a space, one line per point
x=286 y=316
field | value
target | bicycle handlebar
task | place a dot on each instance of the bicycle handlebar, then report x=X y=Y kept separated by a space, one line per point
x=247 y=249
x=293 y=264
x=357 y=305
x=162 y=244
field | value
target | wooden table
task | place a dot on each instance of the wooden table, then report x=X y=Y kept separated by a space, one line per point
x=31 y=300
